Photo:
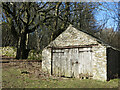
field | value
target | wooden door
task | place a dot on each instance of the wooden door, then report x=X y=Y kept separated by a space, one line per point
x=73 y=62
x=85 y=62
x=58 y=62
x=61 y=64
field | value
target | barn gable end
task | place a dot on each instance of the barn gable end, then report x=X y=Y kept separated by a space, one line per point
x=72 y=38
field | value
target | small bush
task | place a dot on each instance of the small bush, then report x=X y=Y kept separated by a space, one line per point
x=9 y=51
x=33 y=55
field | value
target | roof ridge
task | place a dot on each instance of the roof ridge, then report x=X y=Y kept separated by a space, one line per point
x=97 y=39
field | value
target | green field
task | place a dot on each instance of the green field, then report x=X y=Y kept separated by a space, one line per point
x=13 y=77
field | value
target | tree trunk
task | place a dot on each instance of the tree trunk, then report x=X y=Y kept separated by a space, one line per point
x=24 y=45
x=18 y=54
x=37 y=40
x=22 y=49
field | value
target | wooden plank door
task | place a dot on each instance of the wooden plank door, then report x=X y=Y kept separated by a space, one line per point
x=74 y=63
x=57 y=62
x=61 y=62
x=85 y=62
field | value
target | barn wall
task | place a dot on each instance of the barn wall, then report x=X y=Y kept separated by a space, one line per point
x=113 y=62
x=46 y=60
x=99 y=62
x=71 y=37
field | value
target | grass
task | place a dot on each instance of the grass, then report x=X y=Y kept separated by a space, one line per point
x=13 y=78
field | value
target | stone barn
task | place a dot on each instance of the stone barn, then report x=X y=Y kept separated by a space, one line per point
x=77 y=54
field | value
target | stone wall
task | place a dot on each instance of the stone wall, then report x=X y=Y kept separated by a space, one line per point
x=99 y=62
x=46 y=60
x=71 y=37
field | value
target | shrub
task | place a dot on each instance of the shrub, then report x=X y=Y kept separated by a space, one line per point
x=33 y=55
x=9 y=51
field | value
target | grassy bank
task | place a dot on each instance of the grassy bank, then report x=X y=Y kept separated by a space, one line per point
x=14 y=78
